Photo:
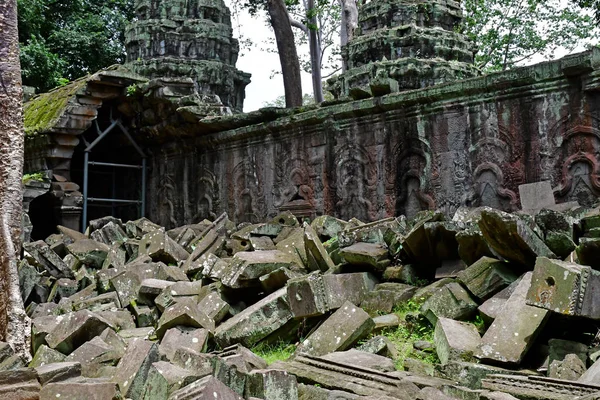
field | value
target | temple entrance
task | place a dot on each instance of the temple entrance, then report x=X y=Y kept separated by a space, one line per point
x=110 y=168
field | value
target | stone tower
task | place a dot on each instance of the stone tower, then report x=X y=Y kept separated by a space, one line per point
x=188 y=38
x=402 y=45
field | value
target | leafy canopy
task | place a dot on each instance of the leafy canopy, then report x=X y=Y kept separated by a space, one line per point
x=509 y=32
x=63 y=40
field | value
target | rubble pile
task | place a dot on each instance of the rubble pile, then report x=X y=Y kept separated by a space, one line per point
x=496 y=306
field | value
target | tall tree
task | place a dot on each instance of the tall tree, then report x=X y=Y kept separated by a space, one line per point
x=288 y=55
x=14 y=324
x=510 y=32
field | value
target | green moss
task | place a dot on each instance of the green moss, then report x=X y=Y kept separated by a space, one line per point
x=271 y=353
x=37 y=177
x=43 y=112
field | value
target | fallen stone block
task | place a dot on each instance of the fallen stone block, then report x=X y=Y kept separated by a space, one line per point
x=74 y=329
x=42 y=256
x=132 y=371
x=256 y=322
x=158 y=245
x=242 y=357
x=58 y=372
x=184 y=313
x=315 y=294
x=451 y=301
x=388 y=321
x=362 y=359
x=380 y=345
x=512 y=238
x=571 y=368
x=277 y=279
x=205 y=388
x=165 y=378
x=536 y=196
x=486 y=277
x=455 y=340
x=339 y=332
x=246 y=268
x=471 y=244
x=471 y=374
x=201 y=363
x=565 y=288
x=269 y=384
x=93 y=356
x=89 y=252
x=21 y=384
x=181 y=336
x=515 y=328
x=538 y=387
x=317 y=257
x=386 y=296
x=45 y=355
x=328 y=226
x=371 y=254
x=80 y=390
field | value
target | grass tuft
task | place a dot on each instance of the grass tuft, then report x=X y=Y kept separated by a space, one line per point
x=275 y=352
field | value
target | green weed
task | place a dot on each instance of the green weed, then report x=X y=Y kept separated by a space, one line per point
x=277 y=352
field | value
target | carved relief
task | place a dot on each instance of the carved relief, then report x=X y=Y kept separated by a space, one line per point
x=413 y=165
x=248 y=191
x=355 y=177
x=166 y=192
x=572 y=154
x=207 y=191
x=292 y=190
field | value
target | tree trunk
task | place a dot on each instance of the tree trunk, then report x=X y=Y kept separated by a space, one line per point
x=315 y=52
x=288 y=56
x=14 y=324
x=349 y=23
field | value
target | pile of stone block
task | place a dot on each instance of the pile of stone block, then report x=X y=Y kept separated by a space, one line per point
x=132 y=310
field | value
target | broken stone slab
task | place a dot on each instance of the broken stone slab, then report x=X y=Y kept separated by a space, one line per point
x=450 y=269
x=210 y=243
x=571 y=368
x=21 y=384
x=587 y=252
x=512 y=238
x=348 y=378
x=472 y=245
x=492 y=307
x=144 y=316
x=256 y=322
x=89 y=252
x=246 y=268
x=371 y=254
x=132 y=371
x=260 y=243
x=128 y=282
x=430 y=393
x=45 y=355
x=565 y=288
x=213 y=305
x=340 y=331
x=77 y=390
x=150 y=288
x=58 y=372
x=455 y=340
x=380 y=345
x=41 y=255
x=74 y=329
x=487 y=277
x=242 y=357
x=515 y=328
x=182 y=336
x=110 y=233
x=293 y=245
x=29 y=277
x=559 y=349
x=165 y=378
x=536 y=196
x=362 y=359
x=317 y=257
x=206 y=388
x=158 y=245
x=63 y=288
x=386 y=296
x=450 y=301
x=170 y=295
x=138 y=228
x=538 y=387
x=184 y=313
x=327 y=226
x=277 y=279
x=471 y=374
x=201 y=363
x=270 y=384
x=315 y=294
x=93 y=355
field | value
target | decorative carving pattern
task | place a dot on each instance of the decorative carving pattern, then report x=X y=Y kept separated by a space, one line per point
x=207 y=190
x=248 y=192
x=292 y=190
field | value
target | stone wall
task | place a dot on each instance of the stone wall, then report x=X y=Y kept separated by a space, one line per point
x=471 y=142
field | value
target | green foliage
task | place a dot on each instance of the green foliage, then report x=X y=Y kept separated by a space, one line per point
x=70 y=38
x=307 y=100
x=37 y=177
x=271 y=353
x=510 y=32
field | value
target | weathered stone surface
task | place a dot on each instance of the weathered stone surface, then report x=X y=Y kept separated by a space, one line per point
x=204 y=389
x=185 y=313
x=181 y=336
x=536 y=196
x=246 y=268
x=316 y=294
x=362 y=359
x=45 y=355
x=339 y=332
x=541 y=388
x=271 y=384
x=451 y=301
x=514 y=329
x=256 y=322
x=80 y=390
x=372 y=254
x=244 y=359
x=44 y=257
x=89 y=252
x=132 y=370
x=317 y=257
x=57 y=372
x=512 y=238
x=487 y=277
x=384 y=322
x=21 y=384
x=93 y=355
x=165 y=378
x=455 y=340
x=571 y=368
x=158 y=245
x=74 y=329
x=471 y=374
x=386 y=296
x=565 y=288
x=379 y=345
